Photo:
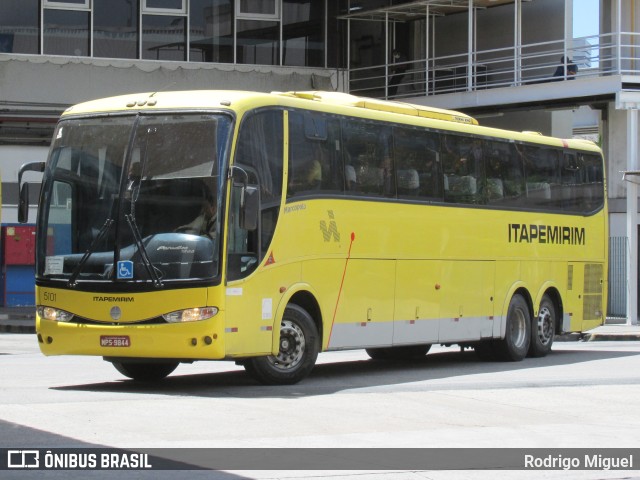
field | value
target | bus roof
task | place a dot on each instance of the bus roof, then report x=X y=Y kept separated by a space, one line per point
x=338 y=98
x=246 y=100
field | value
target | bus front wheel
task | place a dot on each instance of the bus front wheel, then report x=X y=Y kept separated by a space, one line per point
x=544 y=327
x=145 y=372
x=515 y=344
x=299 y=346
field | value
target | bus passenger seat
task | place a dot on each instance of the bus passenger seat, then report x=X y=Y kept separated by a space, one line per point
x=408 y=181
x=495 y=189
x=350 y=177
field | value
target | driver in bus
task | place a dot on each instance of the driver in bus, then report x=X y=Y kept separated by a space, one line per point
x=205 y=223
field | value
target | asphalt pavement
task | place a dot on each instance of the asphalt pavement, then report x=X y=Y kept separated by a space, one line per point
x=23 y=319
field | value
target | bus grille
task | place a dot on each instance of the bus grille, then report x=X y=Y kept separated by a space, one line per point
x=592 y=297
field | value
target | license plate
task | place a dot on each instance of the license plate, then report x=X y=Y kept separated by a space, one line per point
x=114 y=341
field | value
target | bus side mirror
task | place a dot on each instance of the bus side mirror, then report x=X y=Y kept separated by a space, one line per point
x=249 y=207
x=23 y=202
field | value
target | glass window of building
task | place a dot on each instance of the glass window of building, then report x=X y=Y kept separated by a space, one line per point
x=303 y=33
x=67 y=3
x=258 y=42
x=115 y=29
x=164 y=37
x=167 y=6
x=211 y=31
x=258 y=9
x=20 y=27
x=66 y=32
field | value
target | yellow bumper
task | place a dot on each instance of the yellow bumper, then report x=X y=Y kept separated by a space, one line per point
x=198 y=340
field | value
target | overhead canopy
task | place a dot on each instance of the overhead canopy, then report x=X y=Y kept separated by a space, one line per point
x=415 y=10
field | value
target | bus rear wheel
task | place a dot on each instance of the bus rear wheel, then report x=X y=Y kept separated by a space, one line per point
x=515 y=344
x=398 y=353
x=543 y=328
x=299 y=347
x=145 y=372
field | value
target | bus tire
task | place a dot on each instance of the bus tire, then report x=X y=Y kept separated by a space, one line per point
x=299 y=347
x=543 y=328
x=145 y=372
x=515 y=344
x=408 y=352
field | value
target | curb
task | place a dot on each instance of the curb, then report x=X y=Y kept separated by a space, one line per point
x=609 y=337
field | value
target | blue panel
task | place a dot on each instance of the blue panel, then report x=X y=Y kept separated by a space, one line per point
x=19 y=285
x=20 y=299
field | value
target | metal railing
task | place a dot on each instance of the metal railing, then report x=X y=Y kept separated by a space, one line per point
x=593 y=56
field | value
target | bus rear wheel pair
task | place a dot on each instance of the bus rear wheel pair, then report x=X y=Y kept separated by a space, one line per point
x=523 y=336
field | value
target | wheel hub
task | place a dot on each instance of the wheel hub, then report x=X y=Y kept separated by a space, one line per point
x=545 y=325
x=292 y=346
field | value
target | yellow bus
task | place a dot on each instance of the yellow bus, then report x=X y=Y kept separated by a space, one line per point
x=266 y=228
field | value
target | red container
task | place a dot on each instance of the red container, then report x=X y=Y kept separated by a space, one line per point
x=19 y=245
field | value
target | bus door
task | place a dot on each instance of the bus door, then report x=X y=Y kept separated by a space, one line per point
x=252 y=279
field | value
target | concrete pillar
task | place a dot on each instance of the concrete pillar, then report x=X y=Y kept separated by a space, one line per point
x=632 y=217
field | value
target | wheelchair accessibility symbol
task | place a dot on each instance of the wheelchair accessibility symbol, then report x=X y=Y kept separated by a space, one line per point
x=125 y=269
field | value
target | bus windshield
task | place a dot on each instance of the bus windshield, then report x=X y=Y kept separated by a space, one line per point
x=133 y=199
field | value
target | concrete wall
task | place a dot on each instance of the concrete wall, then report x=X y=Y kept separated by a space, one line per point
x=32 y=79
x=11 y=158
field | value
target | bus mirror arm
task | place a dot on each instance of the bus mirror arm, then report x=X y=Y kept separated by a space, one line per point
x=23 y=203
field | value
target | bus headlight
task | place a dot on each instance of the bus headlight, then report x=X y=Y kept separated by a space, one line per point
x=190 y=315
x=54 y=314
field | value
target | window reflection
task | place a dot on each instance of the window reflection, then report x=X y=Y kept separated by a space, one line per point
x=211 y=31
x=20 y=28
x=258 y=42
x=302 y=33
x=66 y=32
x=115 y=29
x=163 y=37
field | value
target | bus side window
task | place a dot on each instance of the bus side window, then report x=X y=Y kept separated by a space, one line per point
x=464 y=169
x=368 y=147
x=314 y=157
x=504 y=174
x=418 y=164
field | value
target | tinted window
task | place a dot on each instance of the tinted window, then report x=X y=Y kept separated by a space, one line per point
x=115 y=29
x=418 y=169
x=164 y=37
x=66 y=32
x=315 y=161
x=504 y=182
x=368 y=158
x=543 y=177
x=19 y=28
x=211 y=31
x=302 y=33
x=463 y=165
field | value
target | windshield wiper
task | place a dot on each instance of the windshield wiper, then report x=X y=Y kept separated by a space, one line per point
x=151 y=270
x=92 y=248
